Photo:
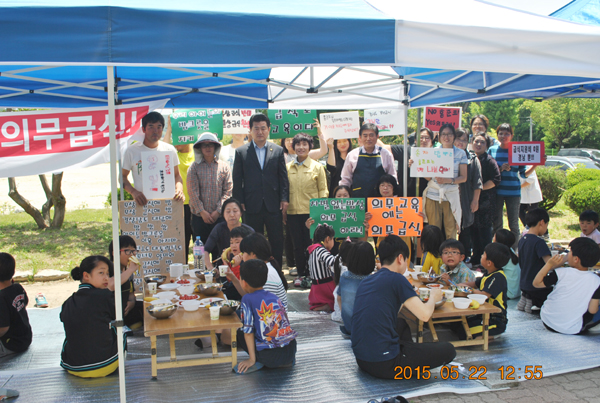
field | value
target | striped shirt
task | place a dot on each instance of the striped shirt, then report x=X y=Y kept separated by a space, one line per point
x=275 y=285
x=320 y=262
x=209 y=185
x=510 y=185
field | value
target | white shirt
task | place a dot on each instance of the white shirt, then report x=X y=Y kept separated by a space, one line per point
x=227 y=154
x=532 y=193
x=275 y=285
x=132 y=161
x=594 y=236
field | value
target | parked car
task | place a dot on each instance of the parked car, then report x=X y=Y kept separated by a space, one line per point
x=565 y=163
x=580 y=152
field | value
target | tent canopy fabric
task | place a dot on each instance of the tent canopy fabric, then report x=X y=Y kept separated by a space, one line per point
x=581 y=11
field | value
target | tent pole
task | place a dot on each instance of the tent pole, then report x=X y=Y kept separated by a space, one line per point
x=405 y=142
x=110 y=84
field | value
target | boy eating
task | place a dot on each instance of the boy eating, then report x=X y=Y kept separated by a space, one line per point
x=454 y=269
x=533 y=254
x=232 y=257
x=266 y=336
x=493 y=285
x=15 y=331
x=588 y=222
x=572 y=307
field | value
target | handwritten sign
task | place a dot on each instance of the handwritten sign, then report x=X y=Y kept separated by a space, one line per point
x=395 y=216
x=346 y=216
x=430 y=162
x=340 y=125
x=158 y=175
x=158 y=229
x=526 y=153
x=188 y=124
x=236 y=121
x=289 y=122
x=390 y=122
x=437 y=116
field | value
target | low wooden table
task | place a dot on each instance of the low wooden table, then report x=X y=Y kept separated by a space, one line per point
x=448 y=313
x=190 y=322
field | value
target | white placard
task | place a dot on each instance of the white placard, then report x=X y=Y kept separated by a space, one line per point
x=158 y=174
x=236 y=121
x=340 y=125
x=390 y=122
x=432 y=162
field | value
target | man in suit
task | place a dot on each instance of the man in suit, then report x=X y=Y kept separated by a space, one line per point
x=260 y=183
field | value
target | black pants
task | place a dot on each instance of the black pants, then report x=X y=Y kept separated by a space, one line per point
x=274 y=224
x=496 y=326
x=301 y=236
x=135 y=315
x=289 y=248
x=465 y=238
x=480 y=238
x=202 y=229
x=187 y=219
x=537 y=296
x=271 y=357
x=411 y=355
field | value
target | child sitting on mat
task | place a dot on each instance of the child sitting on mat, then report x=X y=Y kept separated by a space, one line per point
x=232 y=257
x=266 y=334
x=454 y=269
x=588 y=222
x=320 y=266
x=431 y=240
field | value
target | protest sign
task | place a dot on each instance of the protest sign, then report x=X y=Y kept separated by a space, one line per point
x=39 y=142
x=526 y=153
x=188 y=124
x=432 y=162
x=158 y=229
x=158 y=174
x=390 y=122
x=395 y=216
x=340 y=125
x=346 y=216
x=437 y=116
x=236 y=121
x=289 y=122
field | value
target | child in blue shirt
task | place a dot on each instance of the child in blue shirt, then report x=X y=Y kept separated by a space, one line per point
x=266 y=334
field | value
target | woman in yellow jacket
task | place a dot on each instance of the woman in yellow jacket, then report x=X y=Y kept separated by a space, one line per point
x=307 y=181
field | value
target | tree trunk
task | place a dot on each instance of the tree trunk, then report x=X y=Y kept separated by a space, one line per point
x=58 y=200
x=48 y=192
x=27 y=206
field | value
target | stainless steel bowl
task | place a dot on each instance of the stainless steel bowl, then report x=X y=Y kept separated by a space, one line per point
x=155 y=278
x=212 y=289
x=425 y=279
x=440 y=303
x=162 y=311
x=229 y=307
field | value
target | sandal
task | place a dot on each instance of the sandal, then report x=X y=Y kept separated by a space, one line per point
x=293 y=271
x=41 y=301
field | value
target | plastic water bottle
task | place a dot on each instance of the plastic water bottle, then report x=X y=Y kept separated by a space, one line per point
x=198 y=254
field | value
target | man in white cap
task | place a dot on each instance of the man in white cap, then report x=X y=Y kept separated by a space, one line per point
x=209 y=184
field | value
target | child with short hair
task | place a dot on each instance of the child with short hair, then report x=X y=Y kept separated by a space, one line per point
x=453 y=254
x=266 y=334
x=588 y=222
x=340 y=266
x=320 y=266
x=232 y=256
x=493 y=285
x=572 y=306
x=15 y=330
x=431 y=240
x=512 y=270
x=533 y=255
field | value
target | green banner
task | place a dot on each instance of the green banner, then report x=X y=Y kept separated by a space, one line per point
x=289 y=122
x=188 y=124
x=346 y=216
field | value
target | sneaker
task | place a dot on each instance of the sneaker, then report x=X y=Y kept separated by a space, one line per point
x=293 y=271
x=298 y=282
x=306 y=282
x=41 y=301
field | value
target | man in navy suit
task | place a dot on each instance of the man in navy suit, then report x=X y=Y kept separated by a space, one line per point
x=260 y=183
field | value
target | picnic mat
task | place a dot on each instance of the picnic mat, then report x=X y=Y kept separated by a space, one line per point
x=325 y=368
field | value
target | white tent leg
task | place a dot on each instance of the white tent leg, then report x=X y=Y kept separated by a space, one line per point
x=115 y=226
x=405 y=142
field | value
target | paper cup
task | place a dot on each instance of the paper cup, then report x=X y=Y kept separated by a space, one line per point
x=424 y=294
x=223 y=270
x=214 y=312
x=152 y=288
x=185 y=267
x=449 y=294
x=176 y=270
x=418 y=268
x=208 y=276
x=554 y=252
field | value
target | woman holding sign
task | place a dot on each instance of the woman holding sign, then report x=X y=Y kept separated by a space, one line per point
x=442 y=197
x=307 y=181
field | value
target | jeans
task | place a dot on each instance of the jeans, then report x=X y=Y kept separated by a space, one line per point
x=513 y=204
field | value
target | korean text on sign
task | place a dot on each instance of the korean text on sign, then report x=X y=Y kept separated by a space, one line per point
x=436 y=117
x=340 y=125
x=395 y=216
x=287 y=123
x=390 y=122
x=526 y=153
x=236 y=121
x=346 y=216
x=432 y=162
x=158 y=174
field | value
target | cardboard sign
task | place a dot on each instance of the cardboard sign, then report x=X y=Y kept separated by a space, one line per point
x=437 y=116
x=289 y=122
x=158 y=229
x=395 y=216
x=390 y=122
x=341 y=125
x=188 y=124
x=236 y=121
x=432 y=162
x=526 y=153
x=158 y=174
x=346 y=216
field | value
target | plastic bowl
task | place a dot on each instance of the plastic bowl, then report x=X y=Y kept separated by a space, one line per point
x=191 y=305
x=162 y=311
x=186 y=289
x=155 y=278
x=461 y=303
x=229 y=307
x=165 y=294
x=478 y=297
x=414 y=274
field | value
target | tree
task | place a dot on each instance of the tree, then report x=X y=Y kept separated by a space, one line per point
x=54 y=198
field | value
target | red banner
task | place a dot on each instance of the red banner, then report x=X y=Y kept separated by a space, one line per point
x=436 y=117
